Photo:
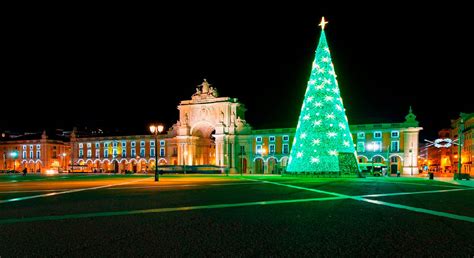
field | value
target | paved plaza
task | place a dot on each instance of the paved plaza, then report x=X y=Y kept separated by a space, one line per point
x=198 y=215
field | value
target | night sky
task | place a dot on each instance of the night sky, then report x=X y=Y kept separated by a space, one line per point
x=123 y=67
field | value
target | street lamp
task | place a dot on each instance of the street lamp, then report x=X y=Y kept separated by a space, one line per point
x=14 y=154
x=64 y=160
x=155 y=130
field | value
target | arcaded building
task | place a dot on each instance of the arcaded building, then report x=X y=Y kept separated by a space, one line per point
x=211 y=134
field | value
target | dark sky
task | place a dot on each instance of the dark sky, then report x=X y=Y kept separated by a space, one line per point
x=124 y=66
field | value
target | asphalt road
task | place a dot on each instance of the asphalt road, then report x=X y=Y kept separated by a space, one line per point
x=116 y=215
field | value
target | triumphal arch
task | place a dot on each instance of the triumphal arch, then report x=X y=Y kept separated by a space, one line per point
x=208 y=128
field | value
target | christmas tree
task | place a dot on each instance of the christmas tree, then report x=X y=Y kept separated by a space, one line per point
x=323 y=142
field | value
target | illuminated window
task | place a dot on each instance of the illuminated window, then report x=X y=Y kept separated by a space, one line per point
x=272 y=148
x=89 y=153
x=97 y=145
x=142 y=143
x=152 y=152
x=162 y=143
x=360 y=147
x=97 y=153
x=162 y=152
x=286 y=148
x=114 y=153
x=81 y=145
x=38 y=146
x=395 y=146
x=259 y=139
x=31 y=154
x=106 y=144
x=395 y=134
x=152 y=143
x=286 y=138
x=115 y=143
x=24 y=147
x=132 y=144
x=38 y=155
x=81 y=153
x=31 y=147
x=24 y=154
x=377 y=135
x=133 y=153
x=142 y=152
x=89 y=145
x=272 y=138
x=259 y=149
x=124 y=153
x=361 y=135
x=124 y=144
x=106 y=153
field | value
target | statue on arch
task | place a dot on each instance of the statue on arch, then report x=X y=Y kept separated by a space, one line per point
x=213 y=92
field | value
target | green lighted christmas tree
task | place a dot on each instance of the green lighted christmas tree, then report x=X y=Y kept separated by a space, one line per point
x=323 y=142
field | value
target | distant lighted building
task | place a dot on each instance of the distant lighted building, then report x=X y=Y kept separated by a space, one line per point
x=211 y=133
x=467 y=149
x=40 y=153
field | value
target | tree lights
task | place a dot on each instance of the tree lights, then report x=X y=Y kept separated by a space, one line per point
x=323 y=141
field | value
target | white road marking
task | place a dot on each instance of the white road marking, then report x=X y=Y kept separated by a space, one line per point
x=66 y=192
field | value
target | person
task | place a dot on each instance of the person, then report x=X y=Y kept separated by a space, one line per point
x=25 y=171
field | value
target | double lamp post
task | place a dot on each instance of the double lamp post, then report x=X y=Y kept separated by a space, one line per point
x=155 y=130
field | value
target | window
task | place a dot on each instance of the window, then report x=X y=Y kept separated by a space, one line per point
x=81 y=145
x=89 y=145
x=133 y=144
x=24 y=154
x=97 y=145
x=114 y=153
x=152 y=143
x=106 y=144
x=97 y=153
x=142 y=152
x=124 y=144
x=259 y=149
x=395 y=146
x=361 y=135
x=393 y=159
x=115 y=143
x=142 y=143
x=38 y=155
x=286 y=138
x=259 y=139
x=360 y=147
x=81 y=153
x=152 y=152
x=133 y=153
x=162 y=143
x=38 y=146
x=286 y=148
x=272 y=138
x=124 y=153
x=242 y=149
x=395 y=134
x=31 y=154
x=377 y=135
x=272 y=148
x=89 y=153
x=106 y=153
x=24 y=147
x=162 y=152
x=31 y=147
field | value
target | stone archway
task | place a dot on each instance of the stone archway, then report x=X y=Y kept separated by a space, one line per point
x=203 y=147
x=259 y=166
x=272 y=166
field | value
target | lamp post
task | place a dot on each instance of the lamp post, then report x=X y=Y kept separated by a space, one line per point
x=241 y=161
x=155 y=130
x=64 y=160
x=14 y=154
